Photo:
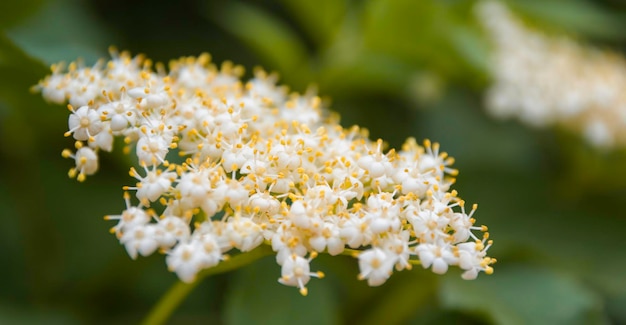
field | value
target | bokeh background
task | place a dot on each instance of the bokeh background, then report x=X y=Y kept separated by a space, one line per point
x=401 y=68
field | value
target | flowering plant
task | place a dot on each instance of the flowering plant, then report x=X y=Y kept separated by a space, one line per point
x=259 y=167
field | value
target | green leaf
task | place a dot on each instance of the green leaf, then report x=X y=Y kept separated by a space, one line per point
x=321 y=19
x=13 y=12
x=474 y=139
x=432 y=35
x=403 y=28
x=368 y=72
x=467 y=41
x=62 y=30
x=256 y=297
x=272 y=39
x=18 y=72
x=615 y=306
x=406 y=292
x=578 y=16
x=520 y=294
x=17 y=315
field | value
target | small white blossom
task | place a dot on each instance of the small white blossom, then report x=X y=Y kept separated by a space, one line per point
x=295 y=272
x=151 y=149
x=86 y=161
x=130 y=218
x=243 y=233
x=140 y=239
x=187 y=259
x=376 y=266
x=154 y=184
x=84 y=123
x=212 y=251
x=172 y=229
x=437 y=256
x=328 y=239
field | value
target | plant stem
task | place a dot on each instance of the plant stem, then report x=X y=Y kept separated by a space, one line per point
x=164 y=308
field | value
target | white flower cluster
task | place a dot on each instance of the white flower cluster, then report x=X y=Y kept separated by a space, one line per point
x=260 y=167
x=546 y=80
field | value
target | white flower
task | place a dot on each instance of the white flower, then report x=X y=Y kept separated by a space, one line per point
x=84 y=86
x=103 y=140
x=398 y=245
x=375 y=163
x=259 y=167
x=376 y=266
x=187 y=259
x=151 y=149
x=428 y=225
x=84 y=123
x=383 y=213
x=212 y=251
x=140 y=239
x=130 y=218
x=120 y=114
x=328 y=239
x=356 y=232
x=233 y=192
x=296 y=272
x=154 y=184
x=548 y=80
x=53 y=88
x=172 y=229
x=195 y=185
x=437 y=256
x=149 y=98
x=243 y=233
x=305 y=110
x=472 y=259
x=86 y=160
x=264 y=203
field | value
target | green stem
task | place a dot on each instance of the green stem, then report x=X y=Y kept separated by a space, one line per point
x=161 y=312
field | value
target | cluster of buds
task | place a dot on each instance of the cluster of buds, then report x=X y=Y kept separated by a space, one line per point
x=226 y=165
x=545 y=80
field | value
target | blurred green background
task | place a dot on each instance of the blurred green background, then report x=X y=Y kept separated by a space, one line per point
x=400 y=68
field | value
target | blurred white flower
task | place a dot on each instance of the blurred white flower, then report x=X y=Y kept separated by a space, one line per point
x=544 y=80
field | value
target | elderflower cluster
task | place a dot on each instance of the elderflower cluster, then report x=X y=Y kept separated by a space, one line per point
x=260 y=166
x=546 y=80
